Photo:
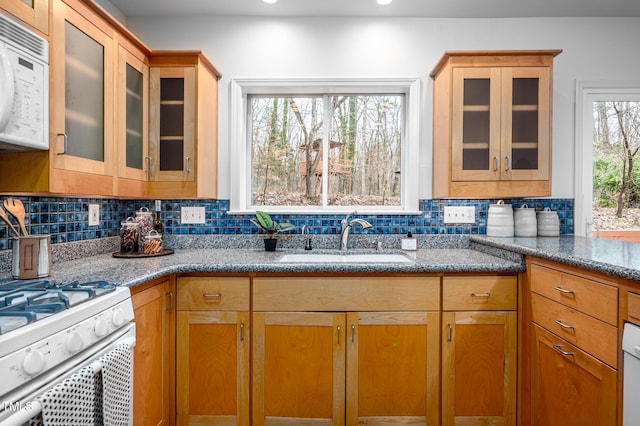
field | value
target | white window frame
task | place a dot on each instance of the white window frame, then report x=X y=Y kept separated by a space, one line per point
x=240 y=168
x=588 y=92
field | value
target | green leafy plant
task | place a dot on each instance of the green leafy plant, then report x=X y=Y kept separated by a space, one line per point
x=264 y=221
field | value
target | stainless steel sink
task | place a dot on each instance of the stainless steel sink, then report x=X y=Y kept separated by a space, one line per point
x=345 y=258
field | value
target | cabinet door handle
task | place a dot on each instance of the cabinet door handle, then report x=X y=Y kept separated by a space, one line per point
x=563 y=325
x=450 y=336
x=562 y=290
x=558 y=348
x=170 y=307
x=353 y=333
x=148 y=158
x=481 y=294
x=186 y=164
x=495 y=164
x=242 y=332
x=212 y=295
x=508 y=166
x=65 y=146
x=339 y=330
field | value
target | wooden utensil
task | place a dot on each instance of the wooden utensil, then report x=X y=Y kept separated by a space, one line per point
x=3 y=216
x=16 y=208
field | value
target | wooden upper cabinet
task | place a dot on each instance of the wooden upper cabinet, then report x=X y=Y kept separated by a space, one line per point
x=82 y=101
x=33 y=12
x=492 y=124
x=132 y=118
x=183 y=132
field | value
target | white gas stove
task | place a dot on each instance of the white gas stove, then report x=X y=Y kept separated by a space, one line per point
x=48 y=331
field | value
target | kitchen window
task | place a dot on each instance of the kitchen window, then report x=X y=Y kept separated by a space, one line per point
x=330 y=146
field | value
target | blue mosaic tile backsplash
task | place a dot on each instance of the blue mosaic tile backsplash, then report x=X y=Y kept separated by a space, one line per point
x=66 y=219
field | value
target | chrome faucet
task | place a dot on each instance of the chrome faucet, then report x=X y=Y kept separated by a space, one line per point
x=346 y=227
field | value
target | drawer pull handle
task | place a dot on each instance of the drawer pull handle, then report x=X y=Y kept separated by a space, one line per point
x=563 y=325
x=558 y=348
x=481 y=294
x=212 y=295
x=562 y=290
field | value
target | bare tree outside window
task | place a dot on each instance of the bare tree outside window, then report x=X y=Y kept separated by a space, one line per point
x=616 y=169
x=363 y=146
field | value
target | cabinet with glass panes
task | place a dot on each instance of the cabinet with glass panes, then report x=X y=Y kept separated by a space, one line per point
x=183 y=102
x=492 y=123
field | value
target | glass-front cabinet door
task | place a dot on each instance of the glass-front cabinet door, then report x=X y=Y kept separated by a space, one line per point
x=133 y=101
x=500 y=126
x=525 y=124
x=83 y=98
x=475 y=133
x=172 y=117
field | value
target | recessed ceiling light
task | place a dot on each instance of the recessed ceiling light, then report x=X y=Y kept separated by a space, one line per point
x=383 y=2
x=270 y=1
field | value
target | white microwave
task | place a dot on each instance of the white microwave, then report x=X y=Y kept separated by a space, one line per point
x=24 y=88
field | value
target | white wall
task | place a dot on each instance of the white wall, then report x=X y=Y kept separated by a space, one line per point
x=594 y=49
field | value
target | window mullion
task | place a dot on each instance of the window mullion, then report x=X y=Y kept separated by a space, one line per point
x=326 y=128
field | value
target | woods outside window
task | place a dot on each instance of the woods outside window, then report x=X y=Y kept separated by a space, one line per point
x=318 y=147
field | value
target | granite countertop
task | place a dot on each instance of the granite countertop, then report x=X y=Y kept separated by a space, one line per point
x=135 y=271
x=242 y=254
x=612 y=257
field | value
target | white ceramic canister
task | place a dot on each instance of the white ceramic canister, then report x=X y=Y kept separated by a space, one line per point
x=548 y=223
x=500 y=220
x=525 y=222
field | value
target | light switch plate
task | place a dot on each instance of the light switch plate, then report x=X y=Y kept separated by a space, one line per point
x=459 y=214
x=192 y=215
x=94 y=214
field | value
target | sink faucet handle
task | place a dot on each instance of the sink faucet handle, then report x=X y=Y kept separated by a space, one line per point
x=307 y=241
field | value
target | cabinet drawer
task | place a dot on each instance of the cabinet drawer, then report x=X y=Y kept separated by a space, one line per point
x=633 y=308
x=590 y=334
x=332 y=293
x=213 y=293
x=479 y=293
x=588 y=296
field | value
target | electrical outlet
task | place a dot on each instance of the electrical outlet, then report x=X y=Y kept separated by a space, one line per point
x=192 y=215
x=459 y=214
x=94 y=214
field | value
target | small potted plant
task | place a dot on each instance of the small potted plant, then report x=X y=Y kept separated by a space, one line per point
x=271 y=228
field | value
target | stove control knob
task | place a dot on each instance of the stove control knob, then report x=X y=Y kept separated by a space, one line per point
x=33 y=363
x=73 y=343
x=118 y=318
x=101 y=328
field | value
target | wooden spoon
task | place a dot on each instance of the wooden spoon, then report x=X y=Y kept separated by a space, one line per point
x=3 y=216
x=16 y=208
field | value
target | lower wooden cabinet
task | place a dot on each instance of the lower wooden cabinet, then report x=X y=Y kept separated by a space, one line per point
x=154 y=361
x=574 y=346
x=479 y=350
x=568 y=386
x=393 y=368
x=381 y=368
x=213 y=341
x=479 y=365
x=298 y=368
x=352 y=356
